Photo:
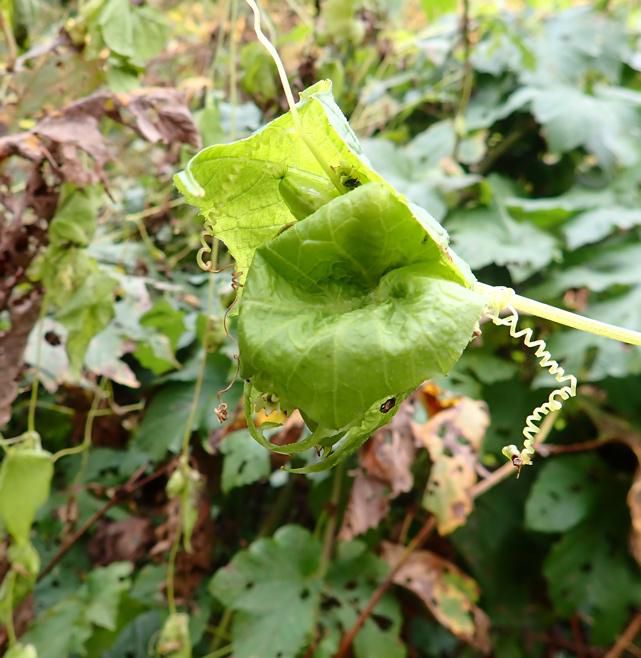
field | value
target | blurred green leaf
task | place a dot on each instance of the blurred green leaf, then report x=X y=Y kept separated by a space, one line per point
x=589 y=571
x=166 y=416
x=63 y=630
x=274 y=588
x=435 y=8
x=486 y=235
x=157 y=352
x=245 y=460
x=564 y=493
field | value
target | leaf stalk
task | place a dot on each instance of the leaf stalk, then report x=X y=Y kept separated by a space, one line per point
x=548 y=312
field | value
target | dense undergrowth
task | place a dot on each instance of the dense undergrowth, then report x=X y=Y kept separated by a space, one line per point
x=520 y=131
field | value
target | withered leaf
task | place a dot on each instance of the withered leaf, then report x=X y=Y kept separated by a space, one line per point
x=128 y=539
x=22 y=316
x=448 y=593
x=156 y=114
x=453 y=438
x=368 y=506
x=389 y=454
x=386 y=462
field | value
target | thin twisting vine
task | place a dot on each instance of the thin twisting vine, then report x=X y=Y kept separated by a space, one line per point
x=556 y=398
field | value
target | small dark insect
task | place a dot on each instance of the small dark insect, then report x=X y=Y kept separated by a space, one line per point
x=351 y=183
x=517 y=463
x=388 y=405
x=52 y=338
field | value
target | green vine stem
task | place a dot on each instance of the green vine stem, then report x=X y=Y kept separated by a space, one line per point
x=35 y=384
x=507 y=297
x=332 y=521
x=9 y=625
x=83 y=447
x=184 y=458
x=171 y=573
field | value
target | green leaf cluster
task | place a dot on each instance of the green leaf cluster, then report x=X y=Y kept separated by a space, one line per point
x=77 y=288
x=278 y=583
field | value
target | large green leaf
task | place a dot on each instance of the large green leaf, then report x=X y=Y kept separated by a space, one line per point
x=242 y=188
x=357 y=298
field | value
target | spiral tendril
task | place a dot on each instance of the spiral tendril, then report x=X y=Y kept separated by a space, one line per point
x=567 y=390
x=203 y=256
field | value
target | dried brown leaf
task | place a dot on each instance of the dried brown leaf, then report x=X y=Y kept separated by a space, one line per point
x=368 y=506
x=453 y=438
x=156 y=114
x=390 y=453
x=23 y=314
x=386 y=462
x=128 y=539
x=448 y=593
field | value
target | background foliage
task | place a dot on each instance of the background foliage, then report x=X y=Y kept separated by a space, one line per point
x=517 y=127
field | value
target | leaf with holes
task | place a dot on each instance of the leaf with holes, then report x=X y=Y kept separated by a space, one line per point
x=453 y=439
x=276 y=591
x=447 y=592
x=589 y=570
x=564 y=493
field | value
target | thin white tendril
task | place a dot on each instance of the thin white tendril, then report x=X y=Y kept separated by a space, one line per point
x=269 y=46
x=284 y=81
x=556 y=398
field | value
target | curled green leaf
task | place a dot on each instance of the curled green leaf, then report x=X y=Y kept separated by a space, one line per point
x=351 y=296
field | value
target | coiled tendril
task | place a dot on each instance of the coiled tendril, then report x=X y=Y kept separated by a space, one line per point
x=523 y=457
x=203 y=256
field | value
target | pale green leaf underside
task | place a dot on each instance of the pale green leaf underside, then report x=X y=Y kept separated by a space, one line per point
x=237 y=186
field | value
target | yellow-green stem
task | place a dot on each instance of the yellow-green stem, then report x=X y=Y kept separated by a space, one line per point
x=7 y=31
x=33 y=401
x=171 y=563
x=224 y=651
x=11 y=631
x=233 y=82
x=211 y=286
x=220 y=632
x=171 y=572
x=88 y=431
x=541 y=310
